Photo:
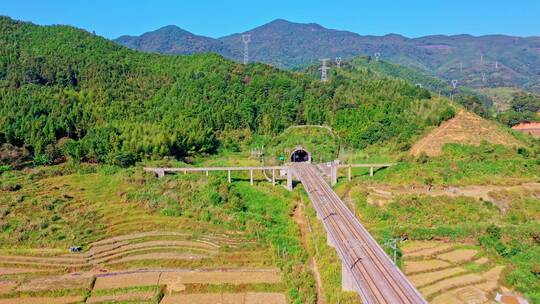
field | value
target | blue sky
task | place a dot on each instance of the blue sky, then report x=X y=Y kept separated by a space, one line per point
x=215 y=18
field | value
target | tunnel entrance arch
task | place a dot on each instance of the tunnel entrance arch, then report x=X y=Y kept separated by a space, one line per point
x=300 y=155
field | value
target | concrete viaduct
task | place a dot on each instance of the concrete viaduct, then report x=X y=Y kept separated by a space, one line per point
x=366 y=268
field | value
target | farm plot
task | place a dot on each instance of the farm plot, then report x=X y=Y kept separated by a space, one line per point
x=451 y=273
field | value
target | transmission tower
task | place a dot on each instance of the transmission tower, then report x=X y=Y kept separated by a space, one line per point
x=454 y=83
x=338 y=62
x=246 y=39
x=324 y=70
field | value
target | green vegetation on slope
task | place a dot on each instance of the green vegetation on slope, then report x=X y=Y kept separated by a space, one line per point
x=320 y=141
x=524 y=107
x=511 y=237
x=54 y=207
x=507 y=228
x=413 y=75
x=464 y=164
x=67 y=93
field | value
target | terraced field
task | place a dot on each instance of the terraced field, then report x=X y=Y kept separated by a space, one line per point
x=94 y=276
x=452 y=273
x=130 y=253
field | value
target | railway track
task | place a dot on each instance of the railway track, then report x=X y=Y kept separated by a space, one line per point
x=375 y=277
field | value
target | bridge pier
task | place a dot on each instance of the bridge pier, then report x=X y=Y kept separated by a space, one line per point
x=273 y=177
x=370 y=171
x=350 y=173
x=251 y=177
x=229 y=176
x=160 y=173
x=347 y=281
x=333 y=174
x=289 y=179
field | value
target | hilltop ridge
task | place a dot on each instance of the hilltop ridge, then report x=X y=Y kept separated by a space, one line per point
x=505 y=60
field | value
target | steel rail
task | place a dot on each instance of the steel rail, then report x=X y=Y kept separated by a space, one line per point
x=369 y=264
x=382 y=261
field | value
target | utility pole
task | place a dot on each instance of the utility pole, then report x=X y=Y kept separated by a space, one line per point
x=324 y=70
x=392 y=243
x=246 y=39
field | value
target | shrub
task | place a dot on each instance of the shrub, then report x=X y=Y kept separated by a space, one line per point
x=41 y=160
x=4 y=168
x=123 y=159
x=11 y=187
x=523 y=152
x=422 y=158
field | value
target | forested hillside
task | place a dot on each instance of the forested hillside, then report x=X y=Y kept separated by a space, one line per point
x=503 y=60
x=67 y=93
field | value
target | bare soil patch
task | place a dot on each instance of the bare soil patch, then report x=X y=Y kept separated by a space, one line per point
x=464 y=128
x=44 y=260
x=265 y=297
x=468 y=279
x=494 y=274
x=452 y=283
x=136 y=295
x=113 y=281
x=204 y=298
x=132 y=236
x=55 y=283
x=98 y=253
x=488 y=286
x=221 y=277
x=458 y=255
x=429 y=251
x=414 y=246
x=6 y=271
x=161 y=256
x=490 y=193
x=41 y=264
x=148 y=278
x=43 y=300
x=445 y=298
x=226 y=298
x=425 y=265
x=470 y=294
x=7 y=286
x=423 y=279
x=482 y=261
x=186 y=244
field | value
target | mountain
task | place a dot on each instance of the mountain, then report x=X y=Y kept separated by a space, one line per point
x=173 y=40
x=477 y=62
x=68 y=93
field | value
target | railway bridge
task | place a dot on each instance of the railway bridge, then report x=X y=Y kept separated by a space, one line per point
x=366 y=268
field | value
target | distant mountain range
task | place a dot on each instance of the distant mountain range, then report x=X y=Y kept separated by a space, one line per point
x=485 y=61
